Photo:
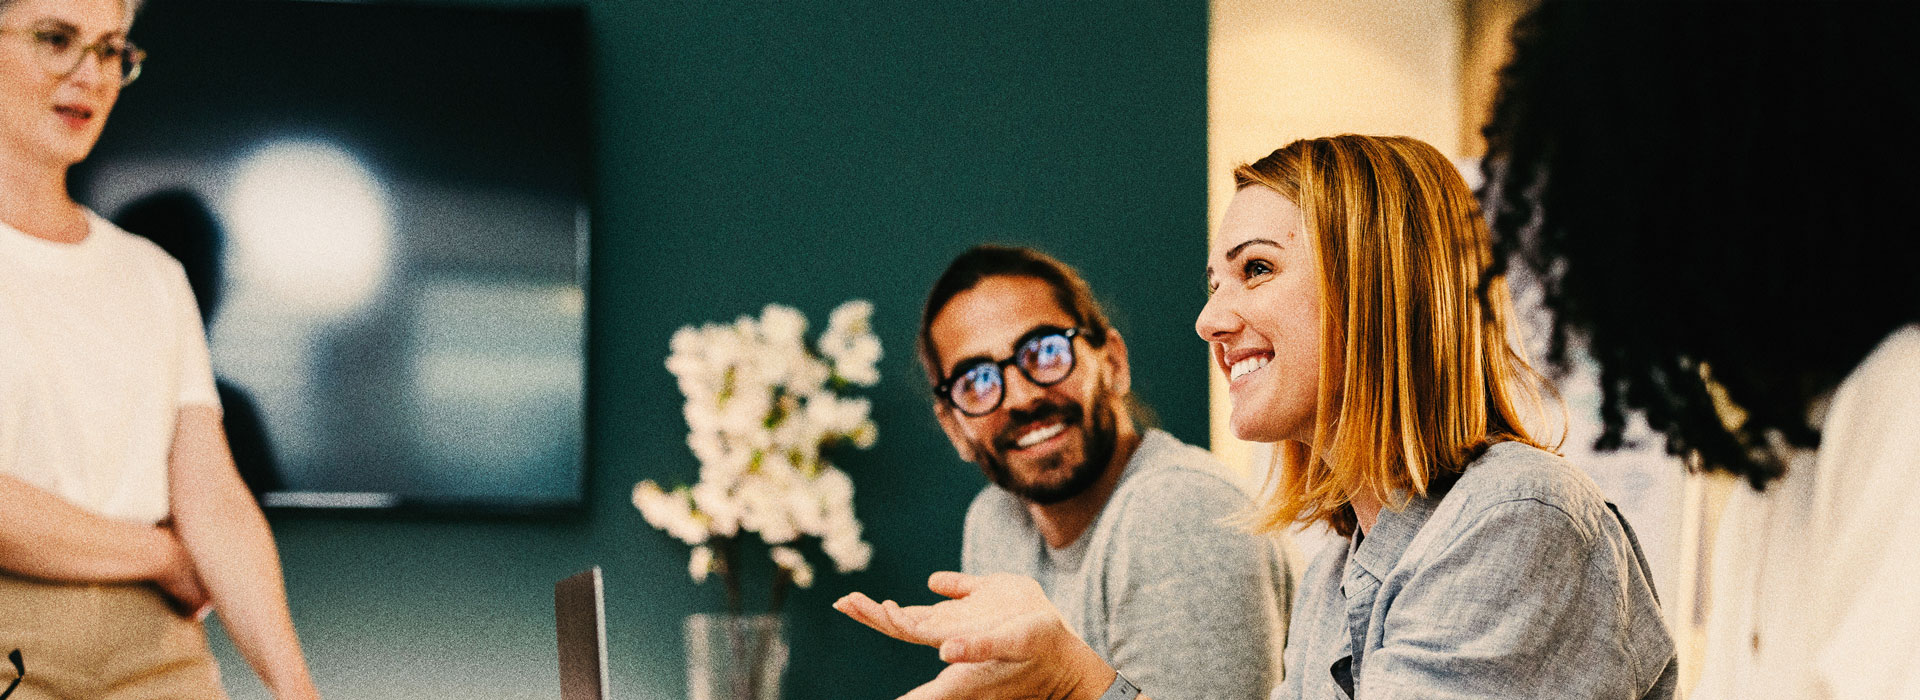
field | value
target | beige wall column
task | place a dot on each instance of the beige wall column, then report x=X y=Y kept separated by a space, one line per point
x=1485 y=25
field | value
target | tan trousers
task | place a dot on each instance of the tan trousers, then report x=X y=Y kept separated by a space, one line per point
x=102 y=642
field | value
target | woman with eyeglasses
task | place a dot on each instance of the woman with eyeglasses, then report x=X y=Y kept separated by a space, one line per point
x=122 y=518
x=1353 y=312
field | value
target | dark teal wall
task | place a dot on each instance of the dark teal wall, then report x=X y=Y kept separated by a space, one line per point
x=804 y=153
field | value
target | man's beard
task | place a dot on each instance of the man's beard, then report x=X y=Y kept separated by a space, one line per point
x=1101 y=439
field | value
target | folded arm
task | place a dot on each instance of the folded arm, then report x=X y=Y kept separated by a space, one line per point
x=43 y=536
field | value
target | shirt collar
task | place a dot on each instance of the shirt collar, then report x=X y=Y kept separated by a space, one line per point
x=1380 y=549
x=1149 y=451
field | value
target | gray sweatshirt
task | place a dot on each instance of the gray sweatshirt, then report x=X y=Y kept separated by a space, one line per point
x=1181 y=602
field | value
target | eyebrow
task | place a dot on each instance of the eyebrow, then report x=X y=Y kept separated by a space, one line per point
x=1235 y=251
x=1031 y=333
x=963 y=362
x=61 y=25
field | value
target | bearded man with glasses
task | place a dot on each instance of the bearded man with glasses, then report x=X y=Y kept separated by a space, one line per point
x=1122 y=525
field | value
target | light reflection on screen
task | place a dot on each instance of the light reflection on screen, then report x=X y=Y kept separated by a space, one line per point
x=456 y=378
x=395 y=237
x=310 y=228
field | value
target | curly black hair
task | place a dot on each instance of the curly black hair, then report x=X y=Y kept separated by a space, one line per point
x=1713 y=189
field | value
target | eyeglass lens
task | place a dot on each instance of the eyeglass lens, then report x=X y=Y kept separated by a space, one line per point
x=61 y=53
x=979 y=389
x=1044 y=360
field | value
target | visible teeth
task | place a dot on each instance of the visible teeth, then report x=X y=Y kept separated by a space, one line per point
x=1248 y=366
x=1039 y=436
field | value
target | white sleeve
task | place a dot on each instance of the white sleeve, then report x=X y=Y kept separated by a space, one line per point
x=1874 y=651
x=1873 y=648
x=196 y=364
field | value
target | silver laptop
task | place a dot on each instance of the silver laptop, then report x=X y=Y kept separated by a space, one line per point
x=580 y=622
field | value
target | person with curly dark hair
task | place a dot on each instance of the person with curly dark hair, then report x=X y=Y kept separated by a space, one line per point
x=1713 y=199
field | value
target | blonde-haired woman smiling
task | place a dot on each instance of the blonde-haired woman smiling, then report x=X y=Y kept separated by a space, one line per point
x=1352 y=310
x=123 y=518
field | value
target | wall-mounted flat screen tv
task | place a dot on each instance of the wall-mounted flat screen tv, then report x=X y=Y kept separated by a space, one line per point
x=383 y=209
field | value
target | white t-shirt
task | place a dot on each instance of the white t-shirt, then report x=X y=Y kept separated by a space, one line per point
x=100 y=345
x=1816 y=583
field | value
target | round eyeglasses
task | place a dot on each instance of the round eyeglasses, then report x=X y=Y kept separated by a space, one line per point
x=60 y=52
x=1044 y=356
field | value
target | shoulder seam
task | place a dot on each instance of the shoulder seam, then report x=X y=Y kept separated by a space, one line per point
x=1586 y=538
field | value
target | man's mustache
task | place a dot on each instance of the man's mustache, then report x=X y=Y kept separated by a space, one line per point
x=1021 y=419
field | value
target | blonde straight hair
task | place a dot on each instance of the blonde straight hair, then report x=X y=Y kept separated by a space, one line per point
x=1417 y=376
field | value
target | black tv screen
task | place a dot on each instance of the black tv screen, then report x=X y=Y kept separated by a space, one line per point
x=383 y=208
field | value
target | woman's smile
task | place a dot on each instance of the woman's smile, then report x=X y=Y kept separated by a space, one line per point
x=1240 y=364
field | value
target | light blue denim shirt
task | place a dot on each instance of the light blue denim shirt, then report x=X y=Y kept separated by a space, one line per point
x=1520 y=581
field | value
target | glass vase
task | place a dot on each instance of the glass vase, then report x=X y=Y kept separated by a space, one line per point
x=735 y=657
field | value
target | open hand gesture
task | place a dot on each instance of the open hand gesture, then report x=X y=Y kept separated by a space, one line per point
x=1000 y=636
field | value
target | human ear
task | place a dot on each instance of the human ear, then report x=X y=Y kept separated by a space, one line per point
x=1116 y=361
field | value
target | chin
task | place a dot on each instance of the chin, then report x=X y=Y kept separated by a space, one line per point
x=1270 y=426
x=75 y=152
x=66 y=152
x=65 y=144
x=1251 y=430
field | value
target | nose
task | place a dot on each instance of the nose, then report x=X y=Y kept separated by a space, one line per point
x=1216 y=323
x=92 y=70
x=86 y=72
x=1021 y=392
